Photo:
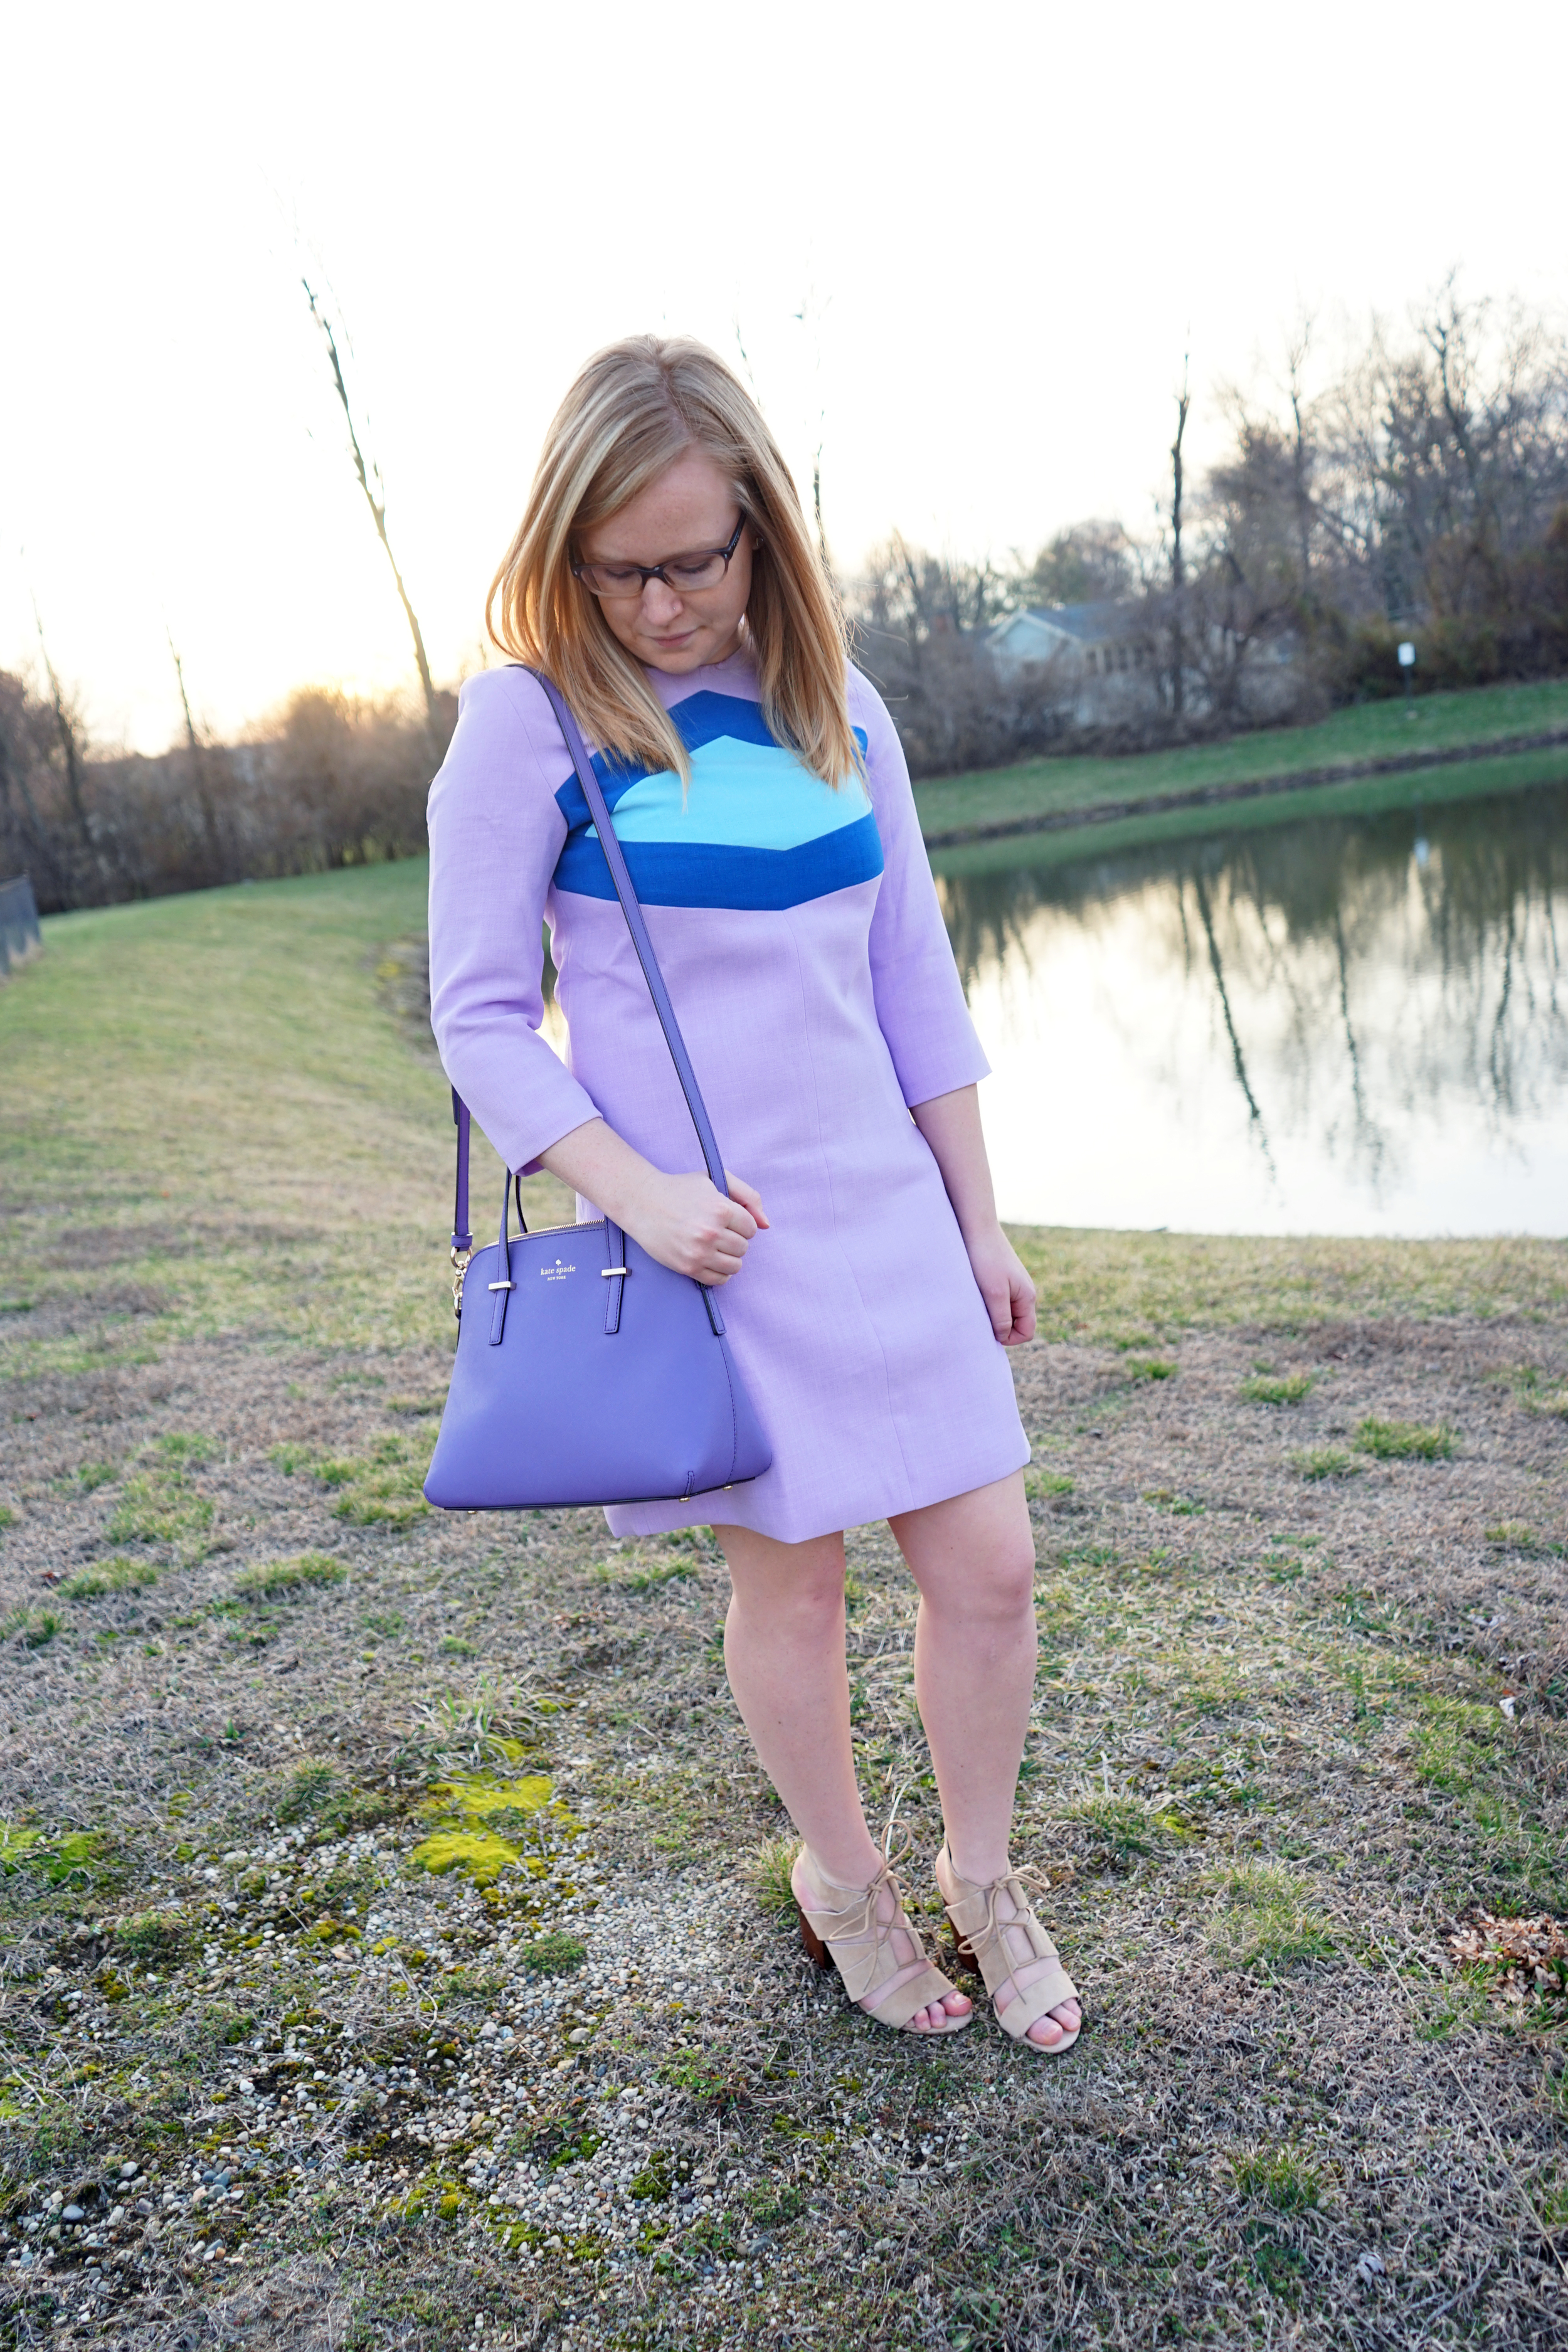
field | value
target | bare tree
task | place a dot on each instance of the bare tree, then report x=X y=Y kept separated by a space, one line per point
x=1296 y=355
x=1087 y=563
x=200 y=781
x=27 y=842
x=376 y=498
x=810 y=315
x=1178 y=581
x=70 y=752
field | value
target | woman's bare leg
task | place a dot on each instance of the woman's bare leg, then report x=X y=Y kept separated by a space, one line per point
x=783 y=1649
x=973 y=1557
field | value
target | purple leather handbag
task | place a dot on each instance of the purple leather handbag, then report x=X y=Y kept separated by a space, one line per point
x=585 y=1372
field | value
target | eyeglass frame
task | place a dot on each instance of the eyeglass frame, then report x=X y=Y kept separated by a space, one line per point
x=659 y=572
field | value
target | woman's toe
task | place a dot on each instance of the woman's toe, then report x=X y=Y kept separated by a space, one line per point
x=956 y=2004
x=1056 y=2024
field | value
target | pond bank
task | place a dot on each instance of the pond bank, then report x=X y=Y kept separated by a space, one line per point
x=1305 y=782
x=1519 y=731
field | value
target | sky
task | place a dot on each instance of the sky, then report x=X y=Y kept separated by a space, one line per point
x=963 y=249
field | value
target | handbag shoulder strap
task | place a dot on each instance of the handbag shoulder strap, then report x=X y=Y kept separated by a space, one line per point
x=631 y=908
x=599 y=808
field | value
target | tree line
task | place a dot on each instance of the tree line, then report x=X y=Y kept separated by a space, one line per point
x=1417 y=489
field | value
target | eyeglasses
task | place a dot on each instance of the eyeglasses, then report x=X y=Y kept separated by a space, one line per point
x=704 y=568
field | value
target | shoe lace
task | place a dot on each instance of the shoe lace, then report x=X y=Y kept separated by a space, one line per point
x=861 y=1917
x=1013 y=1884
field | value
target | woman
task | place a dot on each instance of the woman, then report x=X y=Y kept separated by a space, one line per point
x=662 y=577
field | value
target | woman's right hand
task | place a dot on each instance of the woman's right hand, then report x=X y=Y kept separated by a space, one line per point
x=686 y=1224
x=682 y=1221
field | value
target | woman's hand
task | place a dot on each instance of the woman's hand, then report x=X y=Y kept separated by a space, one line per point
x=682 y=1221
x=685 y=1224
x=1004 y=1285
x=950 y=1125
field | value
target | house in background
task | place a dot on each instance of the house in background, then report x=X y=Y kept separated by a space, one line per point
x=1103 y=655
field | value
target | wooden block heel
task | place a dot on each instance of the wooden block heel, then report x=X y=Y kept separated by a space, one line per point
x=851 y=1936
x=816 y=1950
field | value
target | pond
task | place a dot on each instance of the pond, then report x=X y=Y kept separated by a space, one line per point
x=1335 y=1025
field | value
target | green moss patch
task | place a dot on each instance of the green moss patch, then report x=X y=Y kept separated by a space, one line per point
x=61 y=1857
x=480 y=1817
x=477 y=1851
x=149 y=1936
x=554 y=1954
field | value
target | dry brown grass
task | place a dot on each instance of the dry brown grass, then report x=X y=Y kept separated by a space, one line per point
x=1270 y=1777
x=1292 y=1737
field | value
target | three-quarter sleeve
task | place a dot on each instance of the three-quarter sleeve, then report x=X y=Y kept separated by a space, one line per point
x=919 y=996
x=495 y=831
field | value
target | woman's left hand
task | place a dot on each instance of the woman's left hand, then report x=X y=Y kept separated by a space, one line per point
x=1004 y=1283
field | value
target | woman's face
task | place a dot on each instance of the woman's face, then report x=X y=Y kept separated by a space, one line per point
x=691 y=507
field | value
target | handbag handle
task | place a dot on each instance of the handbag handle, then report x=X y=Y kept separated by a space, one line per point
x=599 y=808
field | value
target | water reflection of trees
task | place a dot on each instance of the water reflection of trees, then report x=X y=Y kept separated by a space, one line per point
x=1358 y=972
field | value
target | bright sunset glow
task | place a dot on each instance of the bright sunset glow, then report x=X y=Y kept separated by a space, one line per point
x=1002 y=246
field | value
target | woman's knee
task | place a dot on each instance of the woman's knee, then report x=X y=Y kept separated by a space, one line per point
x=795 y=1590
x=996 y=1585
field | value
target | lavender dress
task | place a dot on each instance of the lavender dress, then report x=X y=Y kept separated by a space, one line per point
x=800 y=936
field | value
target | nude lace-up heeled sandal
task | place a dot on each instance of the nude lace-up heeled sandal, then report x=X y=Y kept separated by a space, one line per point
x=852 y=1939
x=1004 y=1948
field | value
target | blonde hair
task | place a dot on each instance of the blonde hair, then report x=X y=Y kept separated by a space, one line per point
x=634 y=408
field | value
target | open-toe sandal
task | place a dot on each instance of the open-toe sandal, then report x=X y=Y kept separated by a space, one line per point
x=850 y=1937
x=1004 y=1949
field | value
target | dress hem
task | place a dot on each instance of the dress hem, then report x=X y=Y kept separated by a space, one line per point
x=666 y=1518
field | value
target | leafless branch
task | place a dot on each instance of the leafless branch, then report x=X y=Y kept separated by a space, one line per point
x=376 y=498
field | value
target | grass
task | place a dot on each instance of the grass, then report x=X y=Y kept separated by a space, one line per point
x=1404 y=1441
x=1282 y=2176
x=1518 y=1535
x=1107 y=1286
x=273 y=1580
x=108 y=1577
x=1266 y=1388
x=1319 y=1462
x=767 y=1874
x=1373 y=732
x=161 y=1506
x=34 y=1629
x=1120 y=1828
x=269 y=978
x=1275 y=1761
x=1266 y=1917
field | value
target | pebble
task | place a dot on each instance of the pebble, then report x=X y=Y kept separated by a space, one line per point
x=73 y=2213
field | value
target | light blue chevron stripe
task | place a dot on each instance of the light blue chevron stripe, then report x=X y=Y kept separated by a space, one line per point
x=741 y=796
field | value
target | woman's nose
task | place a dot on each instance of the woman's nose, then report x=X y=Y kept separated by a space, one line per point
x=660 y=604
